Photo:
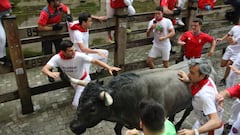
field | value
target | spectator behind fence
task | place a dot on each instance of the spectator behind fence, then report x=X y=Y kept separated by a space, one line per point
x=153 y=120
x=5 y=8
x=162 y=29
x=194 y=40
x=173 y=7
x=111 y=5
x=49 y=20
x=72 y=64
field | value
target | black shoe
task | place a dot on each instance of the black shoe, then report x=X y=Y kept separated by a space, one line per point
x=50 y=79
x=5 y=61
x=227 y=126
x=222 y=82
x=172 y=52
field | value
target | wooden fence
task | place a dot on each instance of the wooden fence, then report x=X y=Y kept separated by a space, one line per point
x=16 y=37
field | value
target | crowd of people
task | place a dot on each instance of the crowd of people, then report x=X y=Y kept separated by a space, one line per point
x=74 y=58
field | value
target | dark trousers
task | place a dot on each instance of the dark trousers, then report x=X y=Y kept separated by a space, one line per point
x=47 y=46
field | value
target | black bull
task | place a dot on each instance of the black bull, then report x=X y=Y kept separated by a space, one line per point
x=126 y=90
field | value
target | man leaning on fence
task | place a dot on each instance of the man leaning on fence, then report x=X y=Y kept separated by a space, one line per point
x=72 y=64
x=49 y=20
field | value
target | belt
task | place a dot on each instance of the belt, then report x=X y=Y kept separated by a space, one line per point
x=191 y=57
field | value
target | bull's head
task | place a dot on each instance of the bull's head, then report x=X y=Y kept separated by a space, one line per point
x=94 y=106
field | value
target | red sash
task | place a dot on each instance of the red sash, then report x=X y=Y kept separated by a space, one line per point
x=84 y=75
x=200 y=84
x=64 y=57
x=77 y=26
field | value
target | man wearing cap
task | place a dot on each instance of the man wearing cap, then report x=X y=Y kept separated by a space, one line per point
x=205 y=106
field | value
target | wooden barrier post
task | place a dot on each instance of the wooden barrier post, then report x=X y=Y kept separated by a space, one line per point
x=15 y=49
x=192 y=12
x=120 y=37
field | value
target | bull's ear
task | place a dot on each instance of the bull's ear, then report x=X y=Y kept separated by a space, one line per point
x=106 y=97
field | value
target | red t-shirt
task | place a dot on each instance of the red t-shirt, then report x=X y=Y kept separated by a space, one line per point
x=234 y=91
x=171 y=4
x=117 y=3
x=55 y=15
x=5 y=5
x=194 y=44
x=203 y=3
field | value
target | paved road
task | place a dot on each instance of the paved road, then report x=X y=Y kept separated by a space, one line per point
x=53 y=110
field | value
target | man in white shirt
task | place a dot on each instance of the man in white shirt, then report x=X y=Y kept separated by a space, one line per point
x=162 y=29
x=79 y=34
x=73 y=64
x=207 y=111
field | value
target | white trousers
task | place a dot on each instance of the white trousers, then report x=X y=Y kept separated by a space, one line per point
x=2 y=40
x=79 y=89
x=96 y=56
x=235 y=111
x=230 y=81
x=181 y=3
x=235 y=130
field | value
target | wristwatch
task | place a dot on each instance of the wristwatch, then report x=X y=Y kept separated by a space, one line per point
x=196 y=132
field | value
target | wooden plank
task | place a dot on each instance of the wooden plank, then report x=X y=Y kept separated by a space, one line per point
x=192 y=12
x=32 y=31
x=10 y=96
x=15 y=50
x=120 y=37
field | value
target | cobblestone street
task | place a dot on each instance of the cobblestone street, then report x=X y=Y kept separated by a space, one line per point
x=53 y=110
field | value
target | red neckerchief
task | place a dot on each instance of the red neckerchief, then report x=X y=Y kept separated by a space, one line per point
x=77 y=26
x=200 y=84
x=158 y=20
x=64 y=57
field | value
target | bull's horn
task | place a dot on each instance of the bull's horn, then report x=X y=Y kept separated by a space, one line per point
x=106 y=97
x=77 y=81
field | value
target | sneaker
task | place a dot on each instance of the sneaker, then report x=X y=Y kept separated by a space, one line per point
x=180 y=22
x=227 y=126
x=50 y=79
x=222 y=82
x=5 y=61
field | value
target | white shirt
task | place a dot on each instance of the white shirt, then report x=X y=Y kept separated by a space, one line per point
x=165 y=24
x=73 y=67
x=204 y=102
x=77 y=36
